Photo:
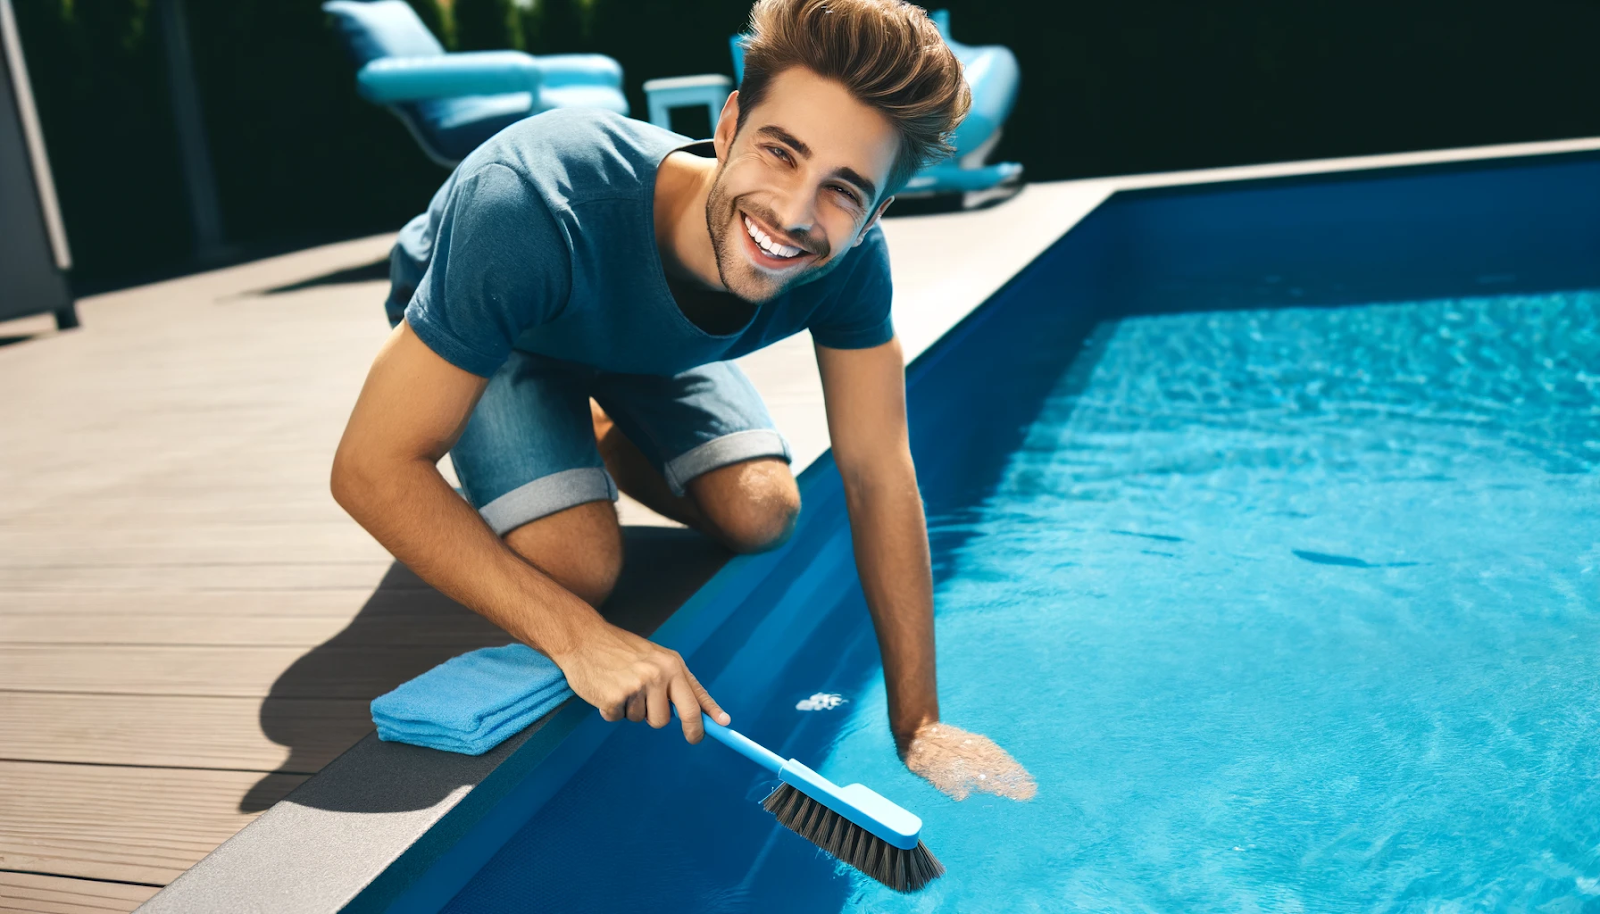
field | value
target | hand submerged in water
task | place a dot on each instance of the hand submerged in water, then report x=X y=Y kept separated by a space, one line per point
x=958 y=762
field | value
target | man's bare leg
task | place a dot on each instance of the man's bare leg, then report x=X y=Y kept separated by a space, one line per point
x=635 y=476
x=580 y=548
x=748 y=506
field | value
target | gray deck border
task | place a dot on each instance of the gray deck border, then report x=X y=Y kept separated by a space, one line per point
x=305 y=855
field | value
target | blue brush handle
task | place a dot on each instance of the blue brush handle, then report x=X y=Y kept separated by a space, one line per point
x=741 y=744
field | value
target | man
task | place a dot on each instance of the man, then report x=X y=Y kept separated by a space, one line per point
x=581 y=255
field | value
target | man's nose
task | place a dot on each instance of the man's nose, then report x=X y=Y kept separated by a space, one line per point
x=795 y=212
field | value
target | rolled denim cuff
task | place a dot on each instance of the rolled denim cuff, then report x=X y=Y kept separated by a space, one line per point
x=547 y=495
x=719 y=452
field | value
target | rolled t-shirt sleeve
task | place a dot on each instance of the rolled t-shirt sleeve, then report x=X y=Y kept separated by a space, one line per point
x=500 y=265
x=857 y=314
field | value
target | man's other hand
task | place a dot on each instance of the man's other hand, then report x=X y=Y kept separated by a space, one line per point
x=958 y=762
x=624 y=675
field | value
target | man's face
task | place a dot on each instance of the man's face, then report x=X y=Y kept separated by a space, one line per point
x=798 y=186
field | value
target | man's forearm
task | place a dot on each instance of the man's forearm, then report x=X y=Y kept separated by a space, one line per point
x=891 y=548
x=409 y=508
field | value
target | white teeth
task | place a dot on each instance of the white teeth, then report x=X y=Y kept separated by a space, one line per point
x=765 y=242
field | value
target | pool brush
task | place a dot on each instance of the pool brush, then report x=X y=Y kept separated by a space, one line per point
x=854 y=823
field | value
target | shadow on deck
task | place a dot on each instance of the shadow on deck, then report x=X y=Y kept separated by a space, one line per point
x=319 y=706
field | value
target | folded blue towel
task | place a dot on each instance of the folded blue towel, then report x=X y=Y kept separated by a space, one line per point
x=472 y=703
x=494 y=730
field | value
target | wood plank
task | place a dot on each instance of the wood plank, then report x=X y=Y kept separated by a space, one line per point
x=143 y=825
x=190 y=545
x=401 y=597
x=253 y=489
x=242 y=672
x=33 y=325
x=149 y=628
x=309 y=602
x=171 y=484
x=249 y=734
x=68 y=494
x=134 y=515
x=328 y=671
x=240 y=575
x=376 y=625
x=29 y=893
x=65 y=503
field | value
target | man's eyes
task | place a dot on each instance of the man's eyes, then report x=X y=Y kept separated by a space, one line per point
x=847 y=193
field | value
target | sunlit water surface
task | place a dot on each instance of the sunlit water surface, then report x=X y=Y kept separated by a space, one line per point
x=1285 y=610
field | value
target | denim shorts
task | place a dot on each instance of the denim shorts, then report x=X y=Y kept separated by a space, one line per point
x=528 y=450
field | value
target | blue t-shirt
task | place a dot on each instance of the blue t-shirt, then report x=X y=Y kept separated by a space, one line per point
x=543 y=239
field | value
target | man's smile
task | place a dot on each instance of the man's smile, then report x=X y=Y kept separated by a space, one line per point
x=770 y=248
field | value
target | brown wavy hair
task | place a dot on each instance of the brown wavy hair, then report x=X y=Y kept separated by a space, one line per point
x=887 y=53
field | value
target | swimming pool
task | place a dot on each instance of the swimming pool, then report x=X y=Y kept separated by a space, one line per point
x=1266 y=530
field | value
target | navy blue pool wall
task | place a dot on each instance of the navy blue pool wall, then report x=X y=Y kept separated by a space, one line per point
x=767 y=625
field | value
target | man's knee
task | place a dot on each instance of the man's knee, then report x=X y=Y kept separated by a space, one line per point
x=579 y=548
x=753 y=506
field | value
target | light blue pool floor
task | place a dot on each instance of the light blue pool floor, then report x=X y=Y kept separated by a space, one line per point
x=1289 y=610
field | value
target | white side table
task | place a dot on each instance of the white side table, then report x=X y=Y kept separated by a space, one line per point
x=710 y=90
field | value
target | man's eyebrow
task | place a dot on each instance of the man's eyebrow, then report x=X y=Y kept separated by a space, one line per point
x=862 y=183
x=784 y=136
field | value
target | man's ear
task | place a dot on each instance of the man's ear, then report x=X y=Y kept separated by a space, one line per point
x=727 y=126
x=878 y=214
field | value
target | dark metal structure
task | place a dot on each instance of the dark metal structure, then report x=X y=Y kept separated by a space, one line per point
x=34 y=256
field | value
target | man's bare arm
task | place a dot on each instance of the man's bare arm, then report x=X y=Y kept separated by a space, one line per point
x=411 y=410
x=865 y=391
x=865 y=394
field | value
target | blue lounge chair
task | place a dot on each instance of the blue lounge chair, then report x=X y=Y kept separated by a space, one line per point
x=992 y=75
x=451 y=103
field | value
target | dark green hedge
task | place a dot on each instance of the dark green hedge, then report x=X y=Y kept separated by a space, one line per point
x=98 y=81
x=1108 y=88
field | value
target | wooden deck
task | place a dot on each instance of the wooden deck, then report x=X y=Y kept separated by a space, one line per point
x=191 y=626
x=168 y=553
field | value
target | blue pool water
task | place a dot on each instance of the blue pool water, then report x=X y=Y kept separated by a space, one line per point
x=1292 y=609
x=1285 y=610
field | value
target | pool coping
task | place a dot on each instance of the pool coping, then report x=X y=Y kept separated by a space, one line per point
x=305 y=854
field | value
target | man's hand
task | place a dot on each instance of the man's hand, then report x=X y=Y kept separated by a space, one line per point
x=624 y=675
x=958 y=762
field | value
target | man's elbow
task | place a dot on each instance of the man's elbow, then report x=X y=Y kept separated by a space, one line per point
x=351 y=481
x=890 y=469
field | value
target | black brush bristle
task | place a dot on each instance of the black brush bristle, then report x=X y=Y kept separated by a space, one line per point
x=901 y=870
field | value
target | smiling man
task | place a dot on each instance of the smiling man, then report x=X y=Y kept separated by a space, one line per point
x=565 y=313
